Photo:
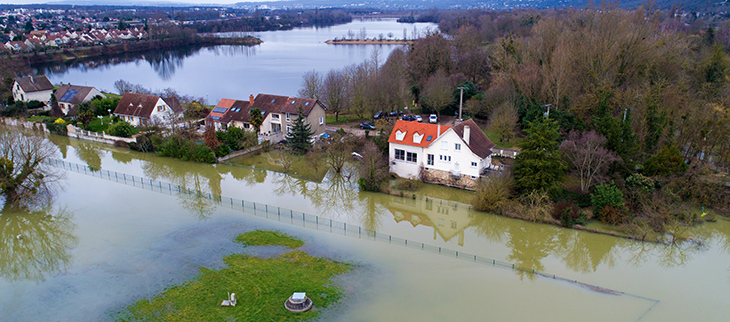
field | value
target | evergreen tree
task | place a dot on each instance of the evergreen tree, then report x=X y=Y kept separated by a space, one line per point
x=256 y=119
x=299 y=138
x=539 y=165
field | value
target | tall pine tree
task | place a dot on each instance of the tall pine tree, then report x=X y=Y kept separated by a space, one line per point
x=299 y=138
x=539 y=165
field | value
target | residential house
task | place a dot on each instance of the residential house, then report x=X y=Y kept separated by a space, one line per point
x=32 y=88
x=70 y=96
x=279 y=114
x=142 y=109
x=454 y=156
x=229 y=112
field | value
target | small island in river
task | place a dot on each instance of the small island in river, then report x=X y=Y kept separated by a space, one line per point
x=369 y=42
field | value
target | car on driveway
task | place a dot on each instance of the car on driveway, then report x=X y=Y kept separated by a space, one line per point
x=378 y=115
x=433 y=118
x=395 y=113
x=419 y=118
x=408 y=118
x=367 y=126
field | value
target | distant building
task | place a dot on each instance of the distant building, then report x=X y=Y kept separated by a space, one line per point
x=142 y=109
x=70 y=96
x=32 y=88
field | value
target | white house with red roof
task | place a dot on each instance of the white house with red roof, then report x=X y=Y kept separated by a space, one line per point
x=453 y=156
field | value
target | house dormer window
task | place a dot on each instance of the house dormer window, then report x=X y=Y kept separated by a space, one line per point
x=417 y=138
x=400 y=135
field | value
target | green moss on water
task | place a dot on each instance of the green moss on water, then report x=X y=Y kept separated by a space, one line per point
x=268 y=238
x=261 y=287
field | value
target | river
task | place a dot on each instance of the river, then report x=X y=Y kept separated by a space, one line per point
x=113 y=236
x=274 y=67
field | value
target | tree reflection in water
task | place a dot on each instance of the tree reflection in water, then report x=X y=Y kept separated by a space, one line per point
x=179 y=173
x=35 y=243
x=90 y=154
x=583 y=252
x=529 y=247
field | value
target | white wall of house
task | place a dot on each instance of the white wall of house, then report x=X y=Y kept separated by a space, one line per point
x=405 y=167
x=20 y=95
x=162 y=113
x=449 y=153
x=452 y=154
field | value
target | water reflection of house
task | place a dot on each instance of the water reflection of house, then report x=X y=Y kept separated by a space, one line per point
x=447 y=218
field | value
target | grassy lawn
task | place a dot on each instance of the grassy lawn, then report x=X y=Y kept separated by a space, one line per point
x=343 y=119
x=261 y=287
x=268 y=238
x=494 y=137
x=37 y=118
x=100 y=125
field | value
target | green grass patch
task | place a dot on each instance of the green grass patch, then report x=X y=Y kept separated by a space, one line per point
x=343 y=119
x=261 y=287
x=268 y=238
x=494 y=137
x=40 y=119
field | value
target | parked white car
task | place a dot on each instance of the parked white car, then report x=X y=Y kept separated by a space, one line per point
x=433 y=118
x=419 y=118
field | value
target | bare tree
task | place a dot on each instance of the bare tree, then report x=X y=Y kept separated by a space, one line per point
x=24 y=169
x=123 y=86
x=338 y=152
x=588 y=157
x=504 y=120
x=373 y=168
x=311 y=84
x=438 y=92
x=334 y=92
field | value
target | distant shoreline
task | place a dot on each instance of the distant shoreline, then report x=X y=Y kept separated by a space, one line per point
x=369 y=42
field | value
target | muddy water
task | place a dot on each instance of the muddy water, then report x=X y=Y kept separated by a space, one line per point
x=101 y=245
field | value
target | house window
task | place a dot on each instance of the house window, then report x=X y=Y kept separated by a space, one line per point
x=400 y=154
x=457 y=146
x=246 y=125
x=160 y=108
x=445 y=158
x=321 y=120
x=474 y=164
x=288 y=117
x=275 y=117
x=412 y=157
x=288 y=129
x=444 y=145
x=276 y=128
x=429 y=159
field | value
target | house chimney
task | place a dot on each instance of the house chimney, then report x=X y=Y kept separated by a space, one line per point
x=250 y=99
x=32 y=80
x=438 y=132
x=467 y=132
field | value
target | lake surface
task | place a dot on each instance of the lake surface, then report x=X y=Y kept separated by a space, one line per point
x=103 y=243
x=275 y=67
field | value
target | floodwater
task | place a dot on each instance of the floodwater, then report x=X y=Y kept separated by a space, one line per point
x=103 y=243
x=276 y=66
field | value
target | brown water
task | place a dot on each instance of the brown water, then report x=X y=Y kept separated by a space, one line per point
x=101 y=244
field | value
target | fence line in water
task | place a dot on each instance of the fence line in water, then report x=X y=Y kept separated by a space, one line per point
x=302 y=219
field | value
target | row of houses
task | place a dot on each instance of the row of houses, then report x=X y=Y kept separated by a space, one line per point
x=38 y=39
x=449 y=155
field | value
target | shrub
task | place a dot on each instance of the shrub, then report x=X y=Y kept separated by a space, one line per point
x=408 y=184
x=204 y=154
x=606 y=194
x=222 y=150
x=121 y=129
x=667 y=162
x=492 y=193
x=640 y=182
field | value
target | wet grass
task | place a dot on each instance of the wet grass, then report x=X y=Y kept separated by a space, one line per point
x=343 y=119
x=268 y=238
x=261 y=287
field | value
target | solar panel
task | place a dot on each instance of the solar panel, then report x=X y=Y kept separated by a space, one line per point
x=69 y=95
x=215 y=117
x=220 y=110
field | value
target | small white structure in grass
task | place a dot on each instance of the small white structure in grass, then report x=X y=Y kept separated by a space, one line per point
x=231 y=302
x=298 y=297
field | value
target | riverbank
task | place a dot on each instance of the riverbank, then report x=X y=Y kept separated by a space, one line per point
x=369 y=42
x=63 y=55
x=261 y=286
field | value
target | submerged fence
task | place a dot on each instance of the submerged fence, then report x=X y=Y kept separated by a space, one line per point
x=302 y=219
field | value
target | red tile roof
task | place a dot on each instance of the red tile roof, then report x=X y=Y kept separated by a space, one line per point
x=425 y=129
